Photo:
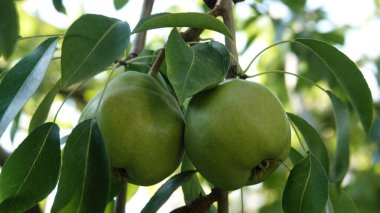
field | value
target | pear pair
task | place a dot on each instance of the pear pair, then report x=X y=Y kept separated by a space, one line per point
x=236 y=134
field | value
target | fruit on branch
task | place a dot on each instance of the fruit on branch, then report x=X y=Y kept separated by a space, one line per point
x=142 y=126
x=236 y=134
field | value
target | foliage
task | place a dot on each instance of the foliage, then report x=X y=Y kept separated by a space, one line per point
x=94 y=43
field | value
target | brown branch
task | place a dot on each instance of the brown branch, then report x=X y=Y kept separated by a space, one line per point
x=202 y=203
x=157 y=63
x=228 y=19
x=139 y=42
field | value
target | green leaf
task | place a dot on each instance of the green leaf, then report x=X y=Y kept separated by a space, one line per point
x=85 y=174
x=348 y=76
x=194 y=20
x=9 y=27
x=295 y=5
x=119 y=4
x=31 y=172
x=295 y=156
x=342 y=152
x=59 y=6
x=341 y=201
x=42 y=111
x=166 y=190
x=193 y=69
x=306 y=189
x=91 y=44
x=15 y=126
x=313 y=140
x=23 y=80
x=192 y=189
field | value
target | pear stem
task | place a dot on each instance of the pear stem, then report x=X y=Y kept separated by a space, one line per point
x=223 y=202
x=121 y=198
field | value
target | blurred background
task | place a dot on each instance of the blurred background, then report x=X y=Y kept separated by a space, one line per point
x=351 y=26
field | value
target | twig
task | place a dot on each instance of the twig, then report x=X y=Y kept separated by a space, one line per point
x=157 y=63
x=202 y=203
x=228 y=19
x=139 y=42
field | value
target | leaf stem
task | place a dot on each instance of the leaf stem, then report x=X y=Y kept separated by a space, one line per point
x=289 y=73
x=66 y=98
x=40 y=36
x=258 y=54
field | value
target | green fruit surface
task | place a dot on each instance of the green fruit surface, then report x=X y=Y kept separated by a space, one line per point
x=236 y=134
x=142 y=126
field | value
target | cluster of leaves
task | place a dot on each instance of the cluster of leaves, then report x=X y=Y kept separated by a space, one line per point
x=93 y=43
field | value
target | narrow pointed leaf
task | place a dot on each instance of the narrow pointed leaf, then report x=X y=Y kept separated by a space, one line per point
x=306 y=189
x=193 y=69
x=58 y=5
x=313 y=140
x=341 y=201
x=166 y=190
x=23 y=80
x=85 y=174
x=31 y=172
x=349 y=77
x=91 y=44
x=9 y=27
x=42 y=111
x=342 y=152
x=194 y=20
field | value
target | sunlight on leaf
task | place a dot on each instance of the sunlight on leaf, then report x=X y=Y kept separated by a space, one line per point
x=22 y=81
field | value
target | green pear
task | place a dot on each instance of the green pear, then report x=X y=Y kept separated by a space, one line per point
x=142 y=126
x=236 y=134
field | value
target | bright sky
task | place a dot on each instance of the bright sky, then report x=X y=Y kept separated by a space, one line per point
x=361 y=41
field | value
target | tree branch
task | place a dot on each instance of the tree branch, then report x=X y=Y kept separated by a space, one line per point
x=202 y=203
x=228 y=19
x=139 y=42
